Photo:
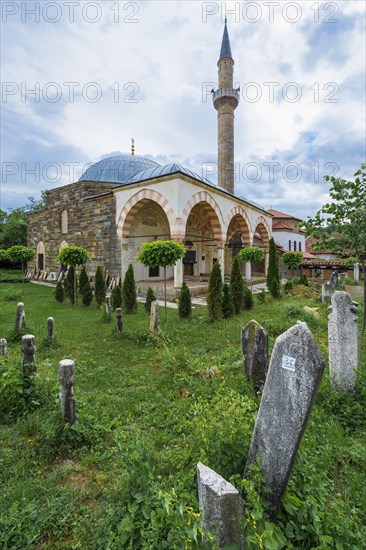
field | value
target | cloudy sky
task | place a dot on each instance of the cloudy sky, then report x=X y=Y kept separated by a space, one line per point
x=81 y=78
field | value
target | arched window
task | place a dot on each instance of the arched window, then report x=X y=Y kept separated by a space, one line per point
x=64 y=221
x=40 y=256
x=289 y=246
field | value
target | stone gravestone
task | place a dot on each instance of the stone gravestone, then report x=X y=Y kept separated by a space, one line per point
x=254 y=343
x=154 y=317
x=293 y=378
x=334 y=278
x=3 y=348
x=50 y=328
x=222 y=507
x=119 y=320
x=29 y=350
x=327 y=291
x=108 y=310
x=20 y=317
x=343 y=343
x=67 y=379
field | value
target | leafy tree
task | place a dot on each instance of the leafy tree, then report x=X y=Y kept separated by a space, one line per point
x=73 y=256
x=13 y=224
x=227 y=302
x=273 y=271
x=60 y=292
x=253 y=255
x=214 y=293
x=99 y=286
x=185 y=303
x=248 y=298
x=83 y=280
x=129 y=296
x=150 y=297
x=20 y=255
x=116 y=297
x=237 y=285
x=163 y=254
x=346 y=215
x=292 y=260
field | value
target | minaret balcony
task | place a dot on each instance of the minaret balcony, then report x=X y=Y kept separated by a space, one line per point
x=223 y=93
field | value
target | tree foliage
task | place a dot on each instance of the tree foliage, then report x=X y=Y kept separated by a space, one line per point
x=70 y=289
x=251 y=254
x=273 y=271
x=20 y=254
x=248 y=301
x=116 y=297
x=60 y=292
x=292 y=259
x=99 y=286
x=185 y=302
x=237 y=285
x=129 y=296
x=340 y=225
x=83 y=279
x=150 y=298
x=214 y=293
x=13 y=224
x=227 y=302
x=73 y=256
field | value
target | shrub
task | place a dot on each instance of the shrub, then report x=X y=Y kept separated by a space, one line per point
x=303 y=280
x=69 y=284
x=129 y=297
x=214 y=293
x=227 y=302
x=289 y=285
x=185 y=305
x=116 y=297
x=248 y=301
x=275 y=288
x=237 y=285
x=261 y=297
x=273 y=271
x=12 y=295
x=83 y=280
x=60 y=292
x=87 y=294
x=100 y=286
x=150 y=297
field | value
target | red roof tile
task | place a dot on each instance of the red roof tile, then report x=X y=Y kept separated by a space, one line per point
x=278 y=214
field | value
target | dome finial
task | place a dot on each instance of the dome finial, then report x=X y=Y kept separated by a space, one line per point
x=132 y=147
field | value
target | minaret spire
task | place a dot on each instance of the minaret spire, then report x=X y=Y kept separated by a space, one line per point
x=225 y=101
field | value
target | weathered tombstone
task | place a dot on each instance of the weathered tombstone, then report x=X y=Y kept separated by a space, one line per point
x=3 y=348
x=20 y=317
x=154 y=317
x=50 y=328
x=293 y=378
x=254 y=344
x=119 y=319
x=107 y=304
x=327 y=291
x=29 y=350
x=334 y=278
x=222 y=507
x=66 y=377
x=343 y=343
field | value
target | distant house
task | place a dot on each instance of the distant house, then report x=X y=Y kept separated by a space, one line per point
x=285 y=232
x=324 y=253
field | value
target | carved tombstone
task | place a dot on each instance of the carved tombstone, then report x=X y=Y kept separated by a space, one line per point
x=67 y=379
x=154 y=317
x=50 y=328
x=29 y=350
x=343 y=343
x=20 y=316
x=3 y=348
x=327 y=291
x=107 y=305
x=254 y=343
x=293 y=378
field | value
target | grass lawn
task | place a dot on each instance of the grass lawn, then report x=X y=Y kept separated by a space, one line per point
x=124 y=475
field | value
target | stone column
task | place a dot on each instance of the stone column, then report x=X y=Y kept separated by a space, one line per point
x=356 y=272
x=178 y=274
x=3 y=348
x=248 y=271
x=50 y=328
x=66 y=377
x=221 y=259
x=266 y=261
x=20 y=317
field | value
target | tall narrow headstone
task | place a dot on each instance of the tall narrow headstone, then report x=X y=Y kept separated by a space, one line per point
x=222 y=507
x=343 y=343
x=50 y=328
x=327 y=291
x=254 y=343
x=293 y=378
x=67 y=379
x=154 y=317
x=108 y=310
x=119 y=319
x=3 y=348
x=29 y=350
x=20 y=316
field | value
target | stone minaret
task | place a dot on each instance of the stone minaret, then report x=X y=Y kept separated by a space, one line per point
x=225 y=101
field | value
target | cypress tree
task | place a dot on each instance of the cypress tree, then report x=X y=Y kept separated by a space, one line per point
x=275 y=289
x=150 y=297
x=83 y=280
x=273 y=271
x=87 y=294
x=185 y=304
x=248 y=301
x=237 y=285
x=100 y=286
x=116 y=297
x=227 y=302
x=69 y=284
x=60 y=292
x=129 y=297
x=214 y=293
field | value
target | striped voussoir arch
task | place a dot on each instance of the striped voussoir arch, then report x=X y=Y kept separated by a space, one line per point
x=261 y=227
x=135 y=203
x=211 y=209
x=239 y=213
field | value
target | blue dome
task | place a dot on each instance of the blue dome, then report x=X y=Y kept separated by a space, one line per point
x=166 y=170
x=118 y=169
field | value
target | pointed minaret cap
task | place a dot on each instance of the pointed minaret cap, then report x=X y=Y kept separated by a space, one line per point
x=225 y=44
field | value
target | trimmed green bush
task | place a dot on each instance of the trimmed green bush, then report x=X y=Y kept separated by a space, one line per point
x=100 y=286
x=185 y=304
x=150 y=297
x=248 y=301
x=227 y=302
x=303 y=280
x=237 y=285
x=60 y=292
x=116 y=297
x=129 y=296
x=83 y=280
x=69 y=284
x=214 y=293
x=87 y=295
x=275 y=289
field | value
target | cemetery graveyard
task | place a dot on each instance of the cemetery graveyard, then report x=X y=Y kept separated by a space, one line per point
x=132 y=431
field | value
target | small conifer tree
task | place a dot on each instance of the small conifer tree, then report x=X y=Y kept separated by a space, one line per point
x=273 y=271
x=248 y=302
x=275 y=289
x=185 y=303
x=214 y=293
x=69 y=284
x=60 y=292
x=227 y=302
x=150 y=297
x=87 y=294
x=116 y=297
x=304 y=280
x=83 y=280
x=237 y=285
x=100 y=286
x=129 y=297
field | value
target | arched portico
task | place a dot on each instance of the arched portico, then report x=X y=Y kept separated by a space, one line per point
x=237 y=235
x=261 y=238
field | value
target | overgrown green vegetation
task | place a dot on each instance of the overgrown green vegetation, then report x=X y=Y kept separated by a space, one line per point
x=124 y=476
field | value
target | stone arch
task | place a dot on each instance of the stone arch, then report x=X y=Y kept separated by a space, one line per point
x=211 y=208
x=261 y=226
x=135 y=203
x=41 y=256
x=238 y=213
x=62 y=245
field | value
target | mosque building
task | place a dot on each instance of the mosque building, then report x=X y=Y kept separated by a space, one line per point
x=123 y=201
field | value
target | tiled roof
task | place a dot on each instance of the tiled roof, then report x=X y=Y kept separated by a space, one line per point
x=278 y=214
